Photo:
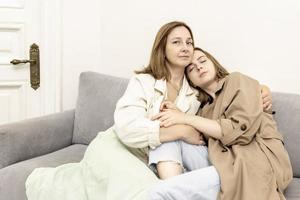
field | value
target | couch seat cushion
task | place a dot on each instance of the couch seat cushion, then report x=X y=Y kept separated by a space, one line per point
x=13 y=177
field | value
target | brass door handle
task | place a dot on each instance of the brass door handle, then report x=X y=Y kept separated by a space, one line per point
x=34 y=61
x=16 y=61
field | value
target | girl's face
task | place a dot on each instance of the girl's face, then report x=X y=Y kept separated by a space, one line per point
x=201 y=71
x=179 y=47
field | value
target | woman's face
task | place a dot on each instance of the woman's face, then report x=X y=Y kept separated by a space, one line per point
x=201 y=71
x=179 y=47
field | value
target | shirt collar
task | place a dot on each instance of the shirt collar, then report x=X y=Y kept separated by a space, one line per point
x=218 y=89
x=160 y=85
x=220 y=84
x=188 y=90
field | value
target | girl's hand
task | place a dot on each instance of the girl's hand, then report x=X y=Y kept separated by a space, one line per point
x=194 y=137
x=170 y=117
x=181 y=132
x=267 y=98
x=168 y=105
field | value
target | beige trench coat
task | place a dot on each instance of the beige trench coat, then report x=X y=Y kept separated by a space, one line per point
x=250 y=157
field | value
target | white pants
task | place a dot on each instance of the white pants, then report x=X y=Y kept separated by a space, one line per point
x=201 y=182
x=189 y=156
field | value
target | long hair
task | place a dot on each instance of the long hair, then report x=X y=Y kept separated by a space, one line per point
x=157 y=65
x=221 y=72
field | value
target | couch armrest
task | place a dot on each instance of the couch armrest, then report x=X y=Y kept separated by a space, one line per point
x=34 y=137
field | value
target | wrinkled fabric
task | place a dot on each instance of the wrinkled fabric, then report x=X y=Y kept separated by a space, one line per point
x=108 y=171
x=140 y=102
x=249 y=157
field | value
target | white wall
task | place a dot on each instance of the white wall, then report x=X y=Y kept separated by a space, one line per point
x=81 y=45
x=259 y=37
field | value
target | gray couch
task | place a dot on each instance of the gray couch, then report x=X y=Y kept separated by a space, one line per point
x=61 y=138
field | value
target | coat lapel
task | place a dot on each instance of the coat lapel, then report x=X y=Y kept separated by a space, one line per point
x=187 y=102
x=159 y=95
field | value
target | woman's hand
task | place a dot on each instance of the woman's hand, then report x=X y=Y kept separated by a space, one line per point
x=181 y=132
x=193 y=137
x=168 y=105
x=169 y=117
x=267 y=98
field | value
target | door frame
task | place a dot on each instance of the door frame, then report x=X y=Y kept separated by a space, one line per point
x=51 y=57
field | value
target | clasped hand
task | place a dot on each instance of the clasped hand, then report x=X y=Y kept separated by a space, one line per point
x=169 y=115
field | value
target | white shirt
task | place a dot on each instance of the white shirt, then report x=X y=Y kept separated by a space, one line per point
x=141 y=101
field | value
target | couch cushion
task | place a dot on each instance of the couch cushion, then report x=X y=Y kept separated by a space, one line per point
x=293 y=191
x=13 y=177
x=287 y=107
x=96 y=102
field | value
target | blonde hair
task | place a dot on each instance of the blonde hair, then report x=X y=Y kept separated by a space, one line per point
x=157 y=65
x=221 y=72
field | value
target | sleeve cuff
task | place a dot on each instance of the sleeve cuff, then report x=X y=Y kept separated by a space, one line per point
x=229 y=131
x=154 y=136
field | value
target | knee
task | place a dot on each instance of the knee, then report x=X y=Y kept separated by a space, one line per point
x=168 y=169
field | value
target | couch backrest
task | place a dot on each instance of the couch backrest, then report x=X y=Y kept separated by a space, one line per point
x=287 y=107
x=99 y=93
x=97 y=98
